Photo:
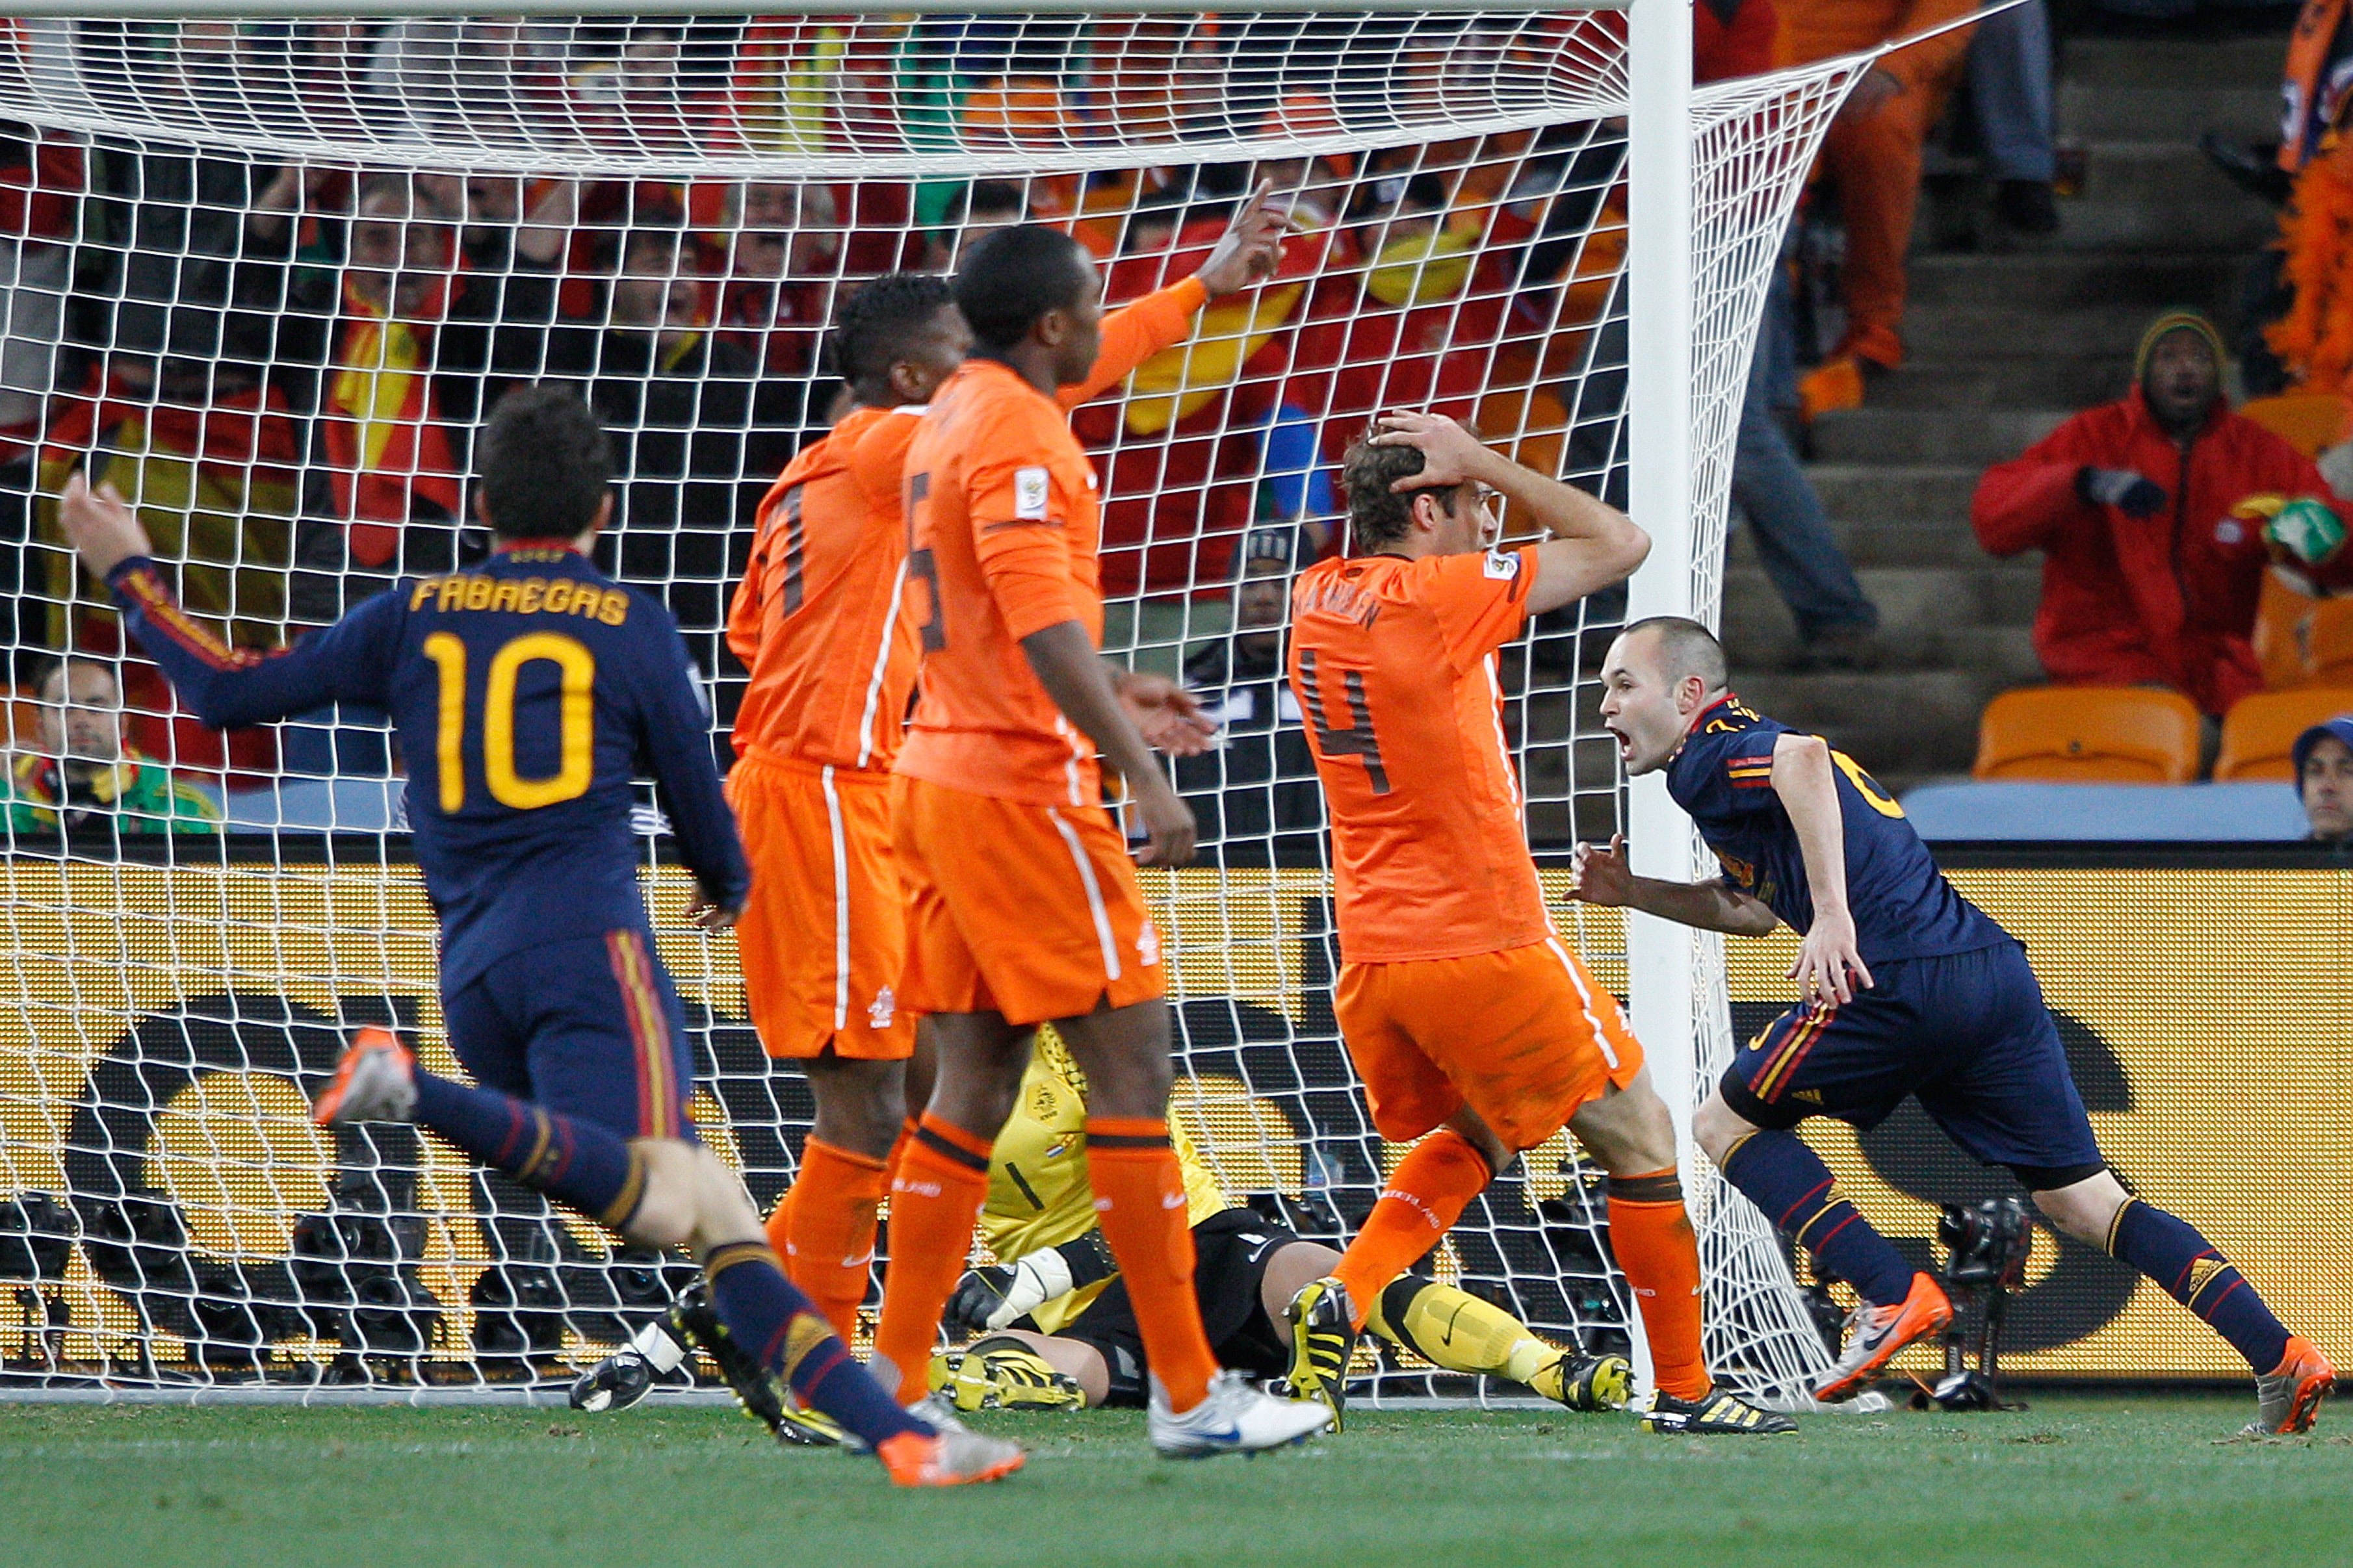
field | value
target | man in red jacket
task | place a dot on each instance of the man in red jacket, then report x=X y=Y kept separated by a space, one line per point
x=2153 y=557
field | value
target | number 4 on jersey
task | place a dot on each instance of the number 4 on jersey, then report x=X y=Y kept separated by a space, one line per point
x=1357 y=740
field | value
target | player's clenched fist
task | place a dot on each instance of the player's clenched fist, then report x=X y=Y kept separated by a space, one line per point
x=1602 y=876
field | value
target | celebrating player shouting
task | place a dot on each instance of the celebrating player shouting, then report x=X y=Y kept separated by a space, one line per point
x=817 y=623
x=1908 y=988
x=1023 y=905
x=1466 y=1016
x=524 y=693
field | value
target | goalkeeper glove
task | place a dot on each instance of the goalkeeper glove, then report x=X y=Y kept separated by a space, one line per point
x=2127 y=491
x=992 y=1298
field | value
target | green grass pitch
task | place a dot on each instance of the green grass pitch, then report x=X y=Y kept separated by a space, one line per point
x=2146 y=1481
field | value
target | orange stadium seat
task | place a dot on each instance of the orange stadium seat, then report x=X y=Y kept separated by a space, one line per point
x=2088 y=734
x=2329 y=644
x=2259 y=734
x=2311 y=421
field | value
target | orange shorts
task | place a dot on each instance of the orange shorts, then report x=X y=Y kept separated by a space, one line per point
x=825 y=935
x=1029 y=911
x=1522 y=1036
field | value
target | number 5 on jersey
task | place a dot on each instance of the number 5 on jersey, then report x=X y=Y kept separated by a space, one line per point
x=577 y=740
x=1356 y=741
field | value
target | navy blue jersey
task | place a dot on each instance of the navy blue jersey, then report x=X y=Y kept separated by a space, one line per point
x=529 y=694
x=1903 y=906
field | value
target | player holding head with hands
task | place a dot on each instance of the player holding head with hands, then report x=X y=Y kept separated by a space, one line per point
x=1907 y=989
x=1023 y=905
x=1475 y=1030
x=818 y=623
x=525 y=692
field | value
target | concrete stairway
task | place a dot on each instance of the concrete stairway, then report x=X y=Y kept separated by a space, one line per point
x=2002 y=347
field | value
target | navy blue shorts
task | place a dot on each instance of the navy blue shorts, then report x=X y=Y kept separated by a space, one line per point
x=1966 y=1031
x=590 y=1028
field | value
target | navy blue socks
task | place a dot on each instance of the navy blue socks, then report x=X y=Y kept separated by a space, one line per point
x=2171 y=1252
x=784 y=1330
x=572 y=1161
x=1788 y=1181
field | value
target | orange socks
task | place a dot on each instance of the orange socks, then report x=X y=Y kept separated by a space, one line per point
x=1656 y=1247
x=1140 y=1203
x=936 y=1195
x=1438 y=1177
x=823 y=1230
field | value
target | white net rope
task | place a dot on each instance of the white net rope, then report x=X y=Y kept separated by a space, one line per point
x=268 y=278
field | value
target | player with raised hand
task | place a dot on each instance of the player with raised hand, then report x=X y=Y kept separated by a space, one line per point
x=525 y=692
x=1467 y=1018
x=1023 y=904
x=817 y=623
x=1906 y=988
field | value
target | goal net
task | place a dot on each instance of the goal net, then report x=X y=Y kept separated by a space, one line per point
x=266 y=277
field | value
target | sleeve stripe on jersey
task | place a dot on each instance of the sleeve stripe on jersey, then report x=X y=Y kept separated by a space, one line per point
x=163 y=612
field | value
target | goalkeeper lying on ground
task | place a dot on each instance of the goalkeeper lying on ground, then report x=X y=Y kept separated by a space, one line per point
x=1055 y=1326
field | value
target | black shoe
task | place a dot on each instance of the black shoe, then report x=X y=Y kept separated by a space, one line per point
x=1323 y=1342
x=618 y=1382
x=756 y=1388
x=1846 y=650
x=1587 y=1383
x=2024 y=206
x=1717 y=1414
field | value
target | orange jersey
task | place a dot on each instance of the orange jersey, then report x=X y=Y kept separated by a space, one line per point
x=817 y=618
x=1394 y=665
x=1002 y=507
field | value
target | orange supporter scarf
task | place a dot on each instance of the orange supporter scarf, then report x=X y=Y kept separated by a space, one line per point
x=384 y=438
x=2301 y=121
x=2315 y=338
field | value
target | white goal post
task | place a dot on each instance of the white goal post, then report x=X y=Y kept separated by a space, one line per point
x=1527 y=213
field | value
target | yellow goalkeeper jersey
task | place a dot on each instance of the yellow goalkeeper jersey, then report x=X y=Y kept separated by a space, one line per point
x=1038 y=1194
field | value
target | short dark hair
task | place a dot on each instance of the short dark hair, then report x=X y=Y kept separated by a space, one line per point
x=994 y=198
x=545 y=464
x=1014 y=276
x=1380 y=517
x=871 y=329
x=1687 y=647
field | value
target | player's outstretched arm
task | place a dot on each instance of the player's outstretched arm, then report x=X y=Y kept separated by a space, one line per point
x=1593 y=544
x=1247 y=252
x=225 y=686
x=1074 y=674
x=1830 y=964
x=1603 y=876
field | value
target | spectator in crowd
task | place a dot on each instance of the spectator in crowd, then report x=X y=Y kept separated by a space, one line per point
x=2318 y=74
x=41 y=180
x=781 y=268
x=973 y=211
x=2324 y=779
x=1254 y=792
x=1788 y=526
x=2310 y=331
x=84 y=779
x=2010 y=90
x=415 y=349
x=698 y=434
x=2152 y=558
x=1872 y=152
